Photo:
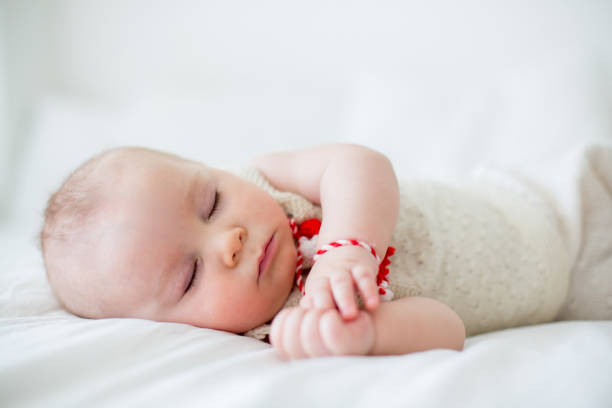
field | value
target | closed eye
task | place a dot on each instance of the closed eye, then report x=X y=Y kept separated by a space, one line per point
x=194 y=274
x=215 y=205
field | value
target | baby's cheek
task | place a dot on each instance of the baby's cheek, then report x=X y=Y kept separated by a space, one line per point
x=246 y=311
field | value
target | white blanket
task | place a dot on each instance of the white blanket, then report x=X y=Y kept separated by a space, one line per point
x=50 y=358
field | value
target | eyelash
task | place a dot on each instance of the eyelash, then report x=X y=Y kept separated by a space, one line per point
x=215 y=205
x=196 y=263
x=193 y=274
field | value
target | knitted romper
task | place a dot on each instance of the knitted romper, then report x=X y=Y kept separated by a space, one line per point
x=496 y=249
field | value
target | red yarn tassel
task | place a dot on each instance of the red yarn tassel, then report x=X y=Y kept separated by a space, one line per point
x=383 y=269
x=309 y=228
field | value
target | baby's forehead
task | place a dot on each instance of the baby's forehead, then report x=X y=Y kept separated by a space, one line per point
x=135 y=166
x=140 y=156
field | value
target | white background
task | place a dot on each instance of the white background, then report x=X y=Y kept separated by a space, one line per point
x=438 y=86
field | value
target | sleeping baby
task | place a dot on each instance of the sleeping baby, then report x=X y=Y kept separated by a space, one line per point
x=318 y=251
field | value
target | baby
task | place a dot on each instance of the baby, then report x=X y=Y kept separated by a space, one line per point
x=139 y=233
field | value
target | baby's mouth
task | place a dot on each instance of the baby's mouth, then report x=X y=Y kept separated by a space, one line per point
x=267 y=255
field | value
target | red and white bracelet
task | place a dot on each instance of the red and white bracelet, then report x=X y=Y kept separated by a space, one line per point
x=345 y=242
x=382 y=279
x=308 y=230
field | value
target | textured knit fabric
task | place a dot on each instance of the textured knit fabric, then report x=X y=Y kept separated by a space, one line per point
x=498 y=250
x=583 y=197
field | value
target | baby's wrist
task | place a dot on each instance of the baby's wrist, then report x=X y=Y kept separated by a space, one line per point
x=324 y=249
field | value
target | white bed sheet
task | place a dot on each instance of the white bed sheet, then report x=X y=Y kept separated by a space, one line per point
x=50 y=358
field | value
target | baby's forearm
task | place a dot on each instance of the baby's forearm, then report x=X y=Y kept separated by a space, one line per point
x=359 y=198
x=415 y=324
x=355 y=186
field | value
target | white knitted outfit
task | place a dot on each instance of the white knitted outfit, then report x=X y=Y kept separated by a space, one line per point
x=498 y=250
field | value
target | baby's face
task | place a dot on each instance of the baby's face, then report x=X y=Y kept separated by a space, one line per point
x=192 y=244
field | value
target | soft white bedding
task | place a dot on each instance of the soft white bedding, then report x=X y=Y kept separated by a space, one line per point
x=50 y=358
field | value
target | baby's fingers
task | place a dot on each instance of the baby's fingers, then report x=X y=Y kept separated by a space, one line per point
x=276 y=331
x=291 y=335
x=344 y=295
x=286 y=338
x=320 y=294
x=311 y=335
x=367 y=286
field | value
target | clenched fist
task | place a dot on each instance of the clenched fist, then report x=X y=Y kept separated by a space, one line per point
x=298 y=332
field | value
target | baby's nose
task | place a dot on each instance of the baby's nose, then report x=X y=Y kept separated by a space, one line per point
x=233 y=246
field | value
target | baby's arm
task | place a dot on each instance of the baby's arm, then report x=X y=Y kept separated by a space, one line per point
x=416 y=324
x=358 y=193
x=402 y=326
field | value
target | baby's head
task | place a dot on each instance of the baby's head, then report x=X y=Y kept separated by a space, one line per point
x=139 y=233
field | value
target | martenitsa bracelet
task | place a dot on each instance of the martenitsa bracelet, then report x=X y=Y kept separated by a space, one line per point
x=308 y=230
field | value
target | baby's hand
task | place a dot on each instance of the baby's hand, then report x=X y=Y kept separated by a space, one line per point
x=333 y=278
x=299 y=333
